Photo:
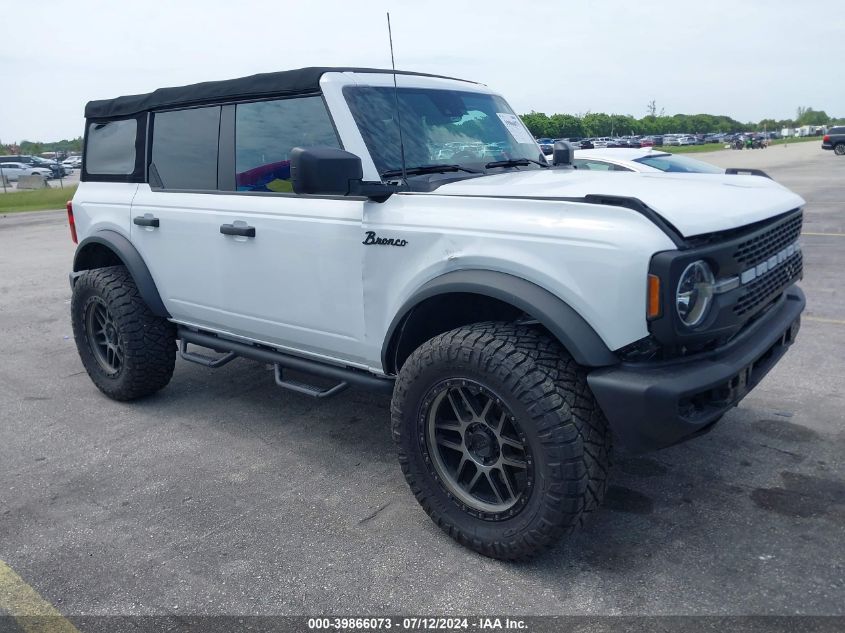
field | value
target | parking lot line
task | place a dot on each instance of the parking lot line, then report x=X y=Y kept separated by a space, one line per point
x=32 y=613
x=824 y=320
x=825 y=234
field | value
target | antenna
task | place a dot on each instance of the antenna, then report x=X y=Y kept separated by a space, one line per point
x=396 y=100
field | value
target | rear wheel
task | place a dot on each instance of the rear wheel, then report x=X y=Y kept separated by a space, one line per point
x=839 y=149
x=127 y=350
x=500 y=438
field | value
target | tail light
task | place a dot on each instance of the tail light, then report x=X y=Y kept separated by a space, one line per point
x=826 y=138
x=71 y=222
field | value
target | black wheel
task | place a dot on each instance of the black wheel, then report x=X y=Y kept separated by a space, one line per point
x=500 y=438
x=839 y=149
x=127 y=351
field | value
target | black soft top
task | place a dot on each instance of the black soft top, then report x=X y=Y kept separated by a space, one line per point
x=286 y=82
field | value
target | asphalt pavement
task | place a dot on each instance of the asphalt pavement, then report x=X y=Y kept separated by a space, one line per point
x=224 y=494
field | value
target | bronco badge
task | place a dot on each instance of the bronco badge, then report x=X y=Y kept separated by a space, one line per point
x=382 y=241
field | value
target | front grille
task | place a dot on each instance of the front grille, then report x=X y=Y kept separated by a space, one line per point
x=770 y=285
x=754 y=265
x=763 y=245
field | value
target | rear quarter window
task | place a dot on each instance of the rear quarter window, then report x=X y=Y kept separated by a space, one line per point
x=114 y=150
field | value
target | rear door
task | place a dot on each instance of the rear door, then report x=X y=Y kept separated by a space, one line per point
x=232 y=248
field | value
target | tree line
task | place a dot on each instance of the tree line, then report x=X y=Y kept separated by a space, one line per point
x=542 y=125
x=34 y=148
x=570 y=125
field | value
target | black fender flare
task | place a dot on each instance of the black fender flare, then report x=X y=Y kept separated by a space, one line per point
x=565 y=324
x=133 y=261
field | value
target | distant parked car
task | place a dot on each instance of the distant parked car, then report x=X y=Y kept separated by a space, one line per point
x=34 y=161
x=13 y=171
x=53 y=165
x=641 y=160
x=629 y=141
x=835 y=140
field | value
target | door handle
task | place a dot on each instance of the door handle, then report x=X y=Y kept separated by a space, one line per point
x=145 y=220
x=241 y=230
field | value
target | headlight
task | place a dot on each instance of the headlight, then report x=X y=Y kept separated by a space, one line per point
x=695 y=293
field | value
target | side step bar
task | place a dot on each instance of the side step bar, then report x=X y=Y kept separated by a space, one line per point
x=202 y=359
x=233 y=349
x=304 y=388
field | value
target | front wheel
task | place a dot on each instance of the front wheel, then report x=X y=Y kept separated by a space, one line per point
x=500 y=438
x=839 y=149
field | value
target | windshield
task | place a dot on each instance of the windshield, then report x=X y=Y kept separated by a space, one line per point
x=439 y=127
x=682 y=164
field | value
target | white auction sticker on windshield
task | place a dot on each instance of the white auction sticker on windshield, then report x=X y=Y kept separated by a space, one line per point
x=515 y=127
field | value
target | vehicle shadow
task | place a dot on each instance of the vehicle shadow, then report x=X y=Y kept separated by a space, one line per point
x=690 y=497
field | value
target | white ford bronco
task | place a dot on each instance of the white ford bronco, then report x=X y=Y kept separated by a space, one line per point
x=410 y=238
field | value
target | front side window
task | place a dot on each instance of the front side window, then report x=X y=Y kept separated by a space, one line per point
x=110 y=149
x=439 y=127
x=679 y=164
x=184 y=153
x=267 y=131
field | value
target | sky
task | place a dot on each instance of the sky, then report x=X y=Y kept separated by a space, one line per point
x=748 y=59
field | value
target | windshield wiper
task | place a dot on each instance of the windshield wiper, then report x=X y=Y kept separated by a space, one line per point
x=515 y=162
x=428 y=169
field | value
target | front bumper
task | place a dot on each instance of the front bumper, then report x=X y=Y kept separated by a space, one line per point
x=652 y=405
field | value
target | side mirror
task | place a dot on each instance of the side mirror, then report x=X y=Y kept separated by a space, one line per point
x=330 y=171
x=324 y=170
x=563 y=154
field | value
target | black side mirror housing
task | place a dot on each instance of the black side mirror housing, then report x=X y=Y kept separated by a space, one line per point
x=563 y=154
x=329 y=171
x=324 y=170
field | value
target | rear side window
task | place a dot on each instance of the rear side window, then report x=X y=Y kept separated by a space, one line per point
x=112 y=148
x=184 y=151
x=266 y=132
x=837 y=130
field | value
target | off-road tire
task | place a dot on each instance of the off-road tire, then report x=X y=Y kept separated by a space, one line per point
x=548 y=395
x=148 y=342
x=839 y=149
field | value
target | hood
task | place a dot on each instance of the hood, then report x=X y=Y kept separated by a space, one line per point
x=693 y=203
